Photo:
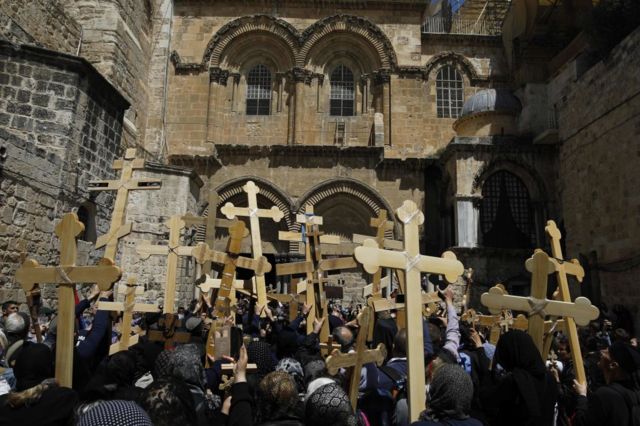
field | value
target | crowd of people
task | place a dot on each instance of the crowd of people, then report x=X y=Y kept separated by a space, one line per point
x=470 y=382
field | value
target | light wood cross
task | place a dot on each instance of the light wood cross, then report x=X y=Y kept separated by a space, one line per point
x=128 y=307
x=562 y=269
x=537 y=306
x=413 y=264
x=314 y=266
x=119 y=227
x=254 y=214
x=358 y=358
x=231 y=260
x=66 y=275
x=172 y=251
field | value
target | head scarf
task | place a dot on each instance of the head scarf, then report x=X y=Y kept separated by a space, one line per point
x=278 y=395
x=314 y=369
x=33 y=365
x=329 y=405
x=293 y=367
x=517 y=354
x=115 y=413
x=169 y=401
x=163 y=366
x=260 y=353
x=450 y=394
x=187 y=365
x=627 y=357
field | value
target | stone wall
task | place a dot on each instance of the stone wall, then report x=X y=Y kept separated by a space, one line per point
x=41 y=22
x=599 y=162
x=60 y=124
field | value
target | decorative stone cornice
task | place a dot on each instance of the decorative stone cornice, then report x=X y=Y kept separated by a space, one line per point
x=185 y=68
x=381 y=76
x=218 y=75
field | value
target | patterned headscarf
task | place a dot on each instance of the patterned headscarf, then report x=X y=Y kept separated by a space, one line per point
x=115 y=413
x=450 y=394
x=260 y=353
x=293 y=367
x=329 y=405
x=187 y=365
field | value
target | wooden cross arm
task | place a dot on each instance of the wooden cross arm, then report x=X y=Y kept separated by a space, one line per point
x=114 y=185
x=388 y=244
x=292 y=268
x=178 y=336
x=120 y=232
x=211 y=283
x=309 y=219
x=582 y=311
x=231 y=211
x=191 y=220
x=389 y=304
x=373 y=258
x=570 y=267
x=202 y=253
x=119 y=307
x=338 y=360
x=145 y=250
x=299 y=237
x=105 y=273
x=337 y=264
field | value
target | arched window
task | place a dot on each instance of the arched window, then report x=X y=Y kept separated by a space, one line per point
x=449 y=92
x=342 y=92
x=259 y=91
x=505 y=213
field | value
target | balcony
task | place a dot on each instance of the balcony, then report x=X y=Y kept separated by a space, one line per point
x=460 y=26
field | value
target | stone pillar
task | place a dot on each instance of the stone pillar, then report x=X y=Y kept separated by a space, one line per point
x=383 y=78
x=299 y=77
x=467 y=214
x=217 y=77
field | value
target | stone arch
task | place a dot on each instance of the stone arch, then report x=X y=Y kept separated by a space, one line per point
x=356 y=26
x=525 y=172
x=454 y=59
x=277 y=29
x=269 y=196
x=351 y=194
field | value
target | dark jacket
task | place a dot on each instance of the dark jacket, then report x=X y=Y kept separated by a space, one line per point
x=54 y=408
x=605 y=406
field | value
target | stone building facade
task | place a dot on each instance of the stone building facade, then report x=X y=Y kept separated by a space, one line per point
x=351 y=106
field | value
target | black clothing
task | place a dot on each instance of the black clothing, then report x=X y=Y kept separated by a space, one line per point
x=605 y=406
x=54 y=408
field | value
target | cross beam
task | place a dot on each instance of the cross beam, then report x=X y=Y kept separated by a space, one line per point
x=254 y=213
x=412 y=263
x=356 y=359
x=66 y=275
x=119 y=227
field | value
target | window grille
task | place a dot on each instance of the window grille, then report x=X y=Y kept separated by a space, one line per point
x=259 y=91
x=342 y=92
x=449 y=92
x=506 y=213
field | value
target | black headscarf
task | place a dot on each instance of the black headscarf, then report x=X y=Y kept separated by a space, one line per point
x=260 y=353
x=34 y=364
x=517 y=354
x=450 y=394
x=329 y=405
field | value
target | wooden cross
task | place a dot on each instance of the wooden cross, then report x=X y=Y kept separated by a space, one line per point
x=357 y=359
x=128 y=307
x=254 y=213
x=413 y=264
x=172 y=250
x=119 y=228
x=66 y=275
x=231 y=261
x=562 y=269
x=314 y=266
x=537 y=306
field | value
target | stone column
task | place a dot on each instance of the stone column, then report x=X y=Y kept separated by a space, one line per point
x=467 y=214
x=217 y=77
x=299 y=77
x=383 y=78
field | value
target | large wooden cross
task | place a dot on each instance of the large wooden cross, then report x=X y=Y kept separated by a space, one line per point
x=562 y=269
x=119 y=227
x=357 y=359
x=254 y=213
x=314 y=266
x=172 y=251
x=66 y=275
x=231 y=260
x=413 y=264
x=537 y=306
x=128 y=307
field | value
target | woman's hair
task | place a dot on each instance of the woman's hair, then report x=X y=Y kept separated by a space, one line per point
x=278 y=395
x=29 y=396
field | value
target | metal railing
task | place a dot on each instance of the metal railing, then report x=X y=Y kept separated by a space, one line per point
x=458 y=26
